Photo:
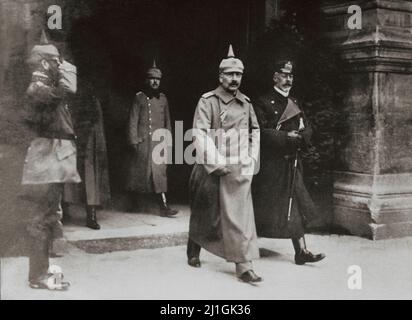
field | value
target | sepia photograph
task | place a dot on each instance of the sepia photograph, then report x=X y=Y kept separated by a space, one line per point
x=213 y=152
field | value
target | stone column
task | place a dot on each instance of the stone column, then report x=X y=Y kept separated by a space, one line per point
x=373 y=192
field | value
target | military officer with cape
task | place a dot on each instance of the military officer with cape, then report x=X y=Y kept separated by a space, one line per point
x=226 y=138
x=281 y=202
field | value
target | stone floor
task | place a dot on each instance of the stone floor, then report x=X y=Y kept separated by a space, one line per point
x=128 y=260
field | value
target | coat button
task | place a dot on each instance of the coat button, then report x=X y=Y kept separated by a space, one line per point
x=276 y=112
x=272 y=102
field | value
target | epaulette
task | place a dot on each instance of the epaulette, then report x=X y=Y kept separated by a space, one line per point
x=247 y=98
x=139 y=93
x=208 y=94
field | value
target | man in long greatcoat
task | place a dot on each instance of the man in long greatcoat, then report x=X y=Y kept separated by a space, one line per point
x=92 y=163
x=281 y=202
x=51 y=158
x=149 y=113
x=226 y=139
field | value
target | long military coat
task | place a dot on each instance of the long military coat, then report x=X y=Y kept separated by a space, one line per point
x=277 y=116
x=147 y=115
x=222 y=219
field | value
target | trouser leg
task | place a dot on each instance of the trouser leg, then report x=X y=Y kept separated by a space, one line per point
x=38 y=259
x=42 y=203
x=193 y=249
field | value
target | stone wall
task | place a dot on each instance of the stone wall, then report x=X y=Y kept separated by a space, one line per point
x=374 y=187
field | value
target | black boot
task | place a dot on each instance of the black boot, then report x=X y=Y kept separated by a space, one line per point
x=65 y=212
x=193 y=253
x=303 y=255
x=91 y=218
x=165 y=210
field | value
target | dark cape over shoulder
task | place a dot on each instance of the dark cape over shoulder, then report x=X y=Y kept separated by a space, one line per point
x=277 y=116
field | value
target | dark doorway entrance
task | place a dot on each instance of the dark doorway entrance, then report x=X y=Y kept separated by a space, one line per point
x=115 y=44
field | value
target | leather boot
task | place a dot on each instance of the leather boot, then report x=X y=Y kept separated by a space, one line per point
x=91 y=218
x=306 y=256
x=250 y=276
x=193 y=253
x=165 y=210
x=303 y=255
x=65 y=212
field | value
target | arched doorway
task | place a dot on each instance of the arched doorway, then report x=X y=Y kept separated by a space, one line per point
x=115 y=44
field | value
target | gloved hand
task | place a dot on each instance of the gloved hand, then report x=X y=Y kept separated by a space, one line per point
x=221 y=171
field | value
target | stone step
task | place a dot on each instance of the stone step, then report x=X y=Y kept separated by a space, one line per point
x=125 y=231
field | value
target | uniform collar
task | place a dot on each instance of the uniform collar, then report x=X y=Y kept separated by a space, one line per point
x=226 y=97
x=281 y=92
x=152 y=93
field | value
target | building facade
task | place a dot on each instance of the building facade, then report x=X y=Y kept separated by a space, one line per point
x=116 y=40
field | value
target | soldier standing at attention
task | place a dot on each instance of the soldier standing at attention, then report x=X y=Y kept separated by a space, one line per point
x=149 y=112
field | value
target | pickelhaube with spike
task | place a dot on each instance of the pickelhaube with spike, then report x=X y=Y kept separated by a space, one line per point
x=231 y=64
x=44 y=50
x=154 y=72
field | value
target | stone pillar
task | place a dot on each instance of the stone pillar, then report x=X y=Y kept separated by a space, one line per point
x=373 y=192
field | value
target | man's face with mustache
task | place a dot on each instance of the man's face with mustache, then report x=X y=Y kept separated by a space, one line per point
x=153 y=83
x=230 y=81
x=283 y=81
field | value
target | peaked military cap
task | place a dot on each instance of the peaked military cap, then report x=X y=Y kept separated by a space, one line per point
x=284 y=66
